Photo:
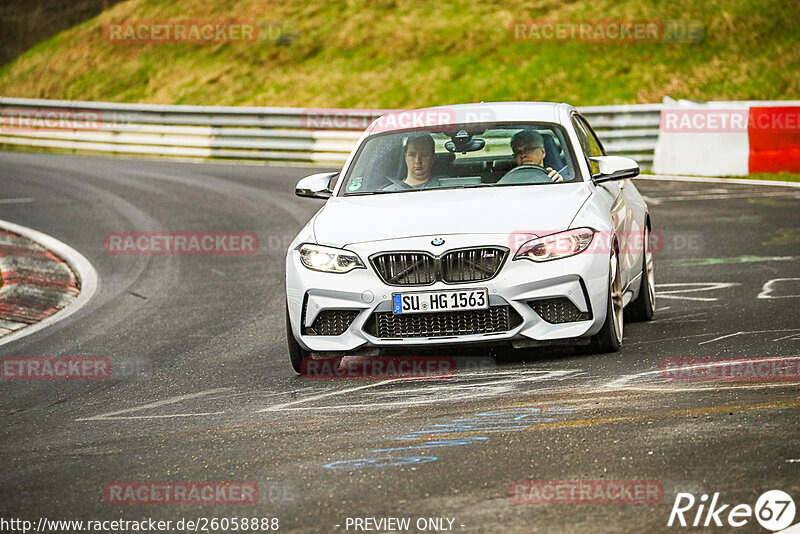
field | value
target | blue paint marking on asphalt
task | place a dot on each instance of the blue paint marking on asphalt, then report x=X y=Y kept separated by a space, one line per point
x=449 y=442
x=381 y=462
x=513 y=419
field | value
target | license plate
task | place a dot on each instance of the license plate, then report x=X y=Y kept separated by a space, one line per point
x=436 y=301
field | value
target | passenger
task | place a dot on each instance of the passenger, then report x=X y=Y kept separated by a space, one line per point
x=528 y=148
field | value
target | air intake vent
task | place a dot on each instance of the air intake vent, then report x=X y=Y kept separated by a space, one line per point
x=331 y=323
x=558 y=310
x=440 y=324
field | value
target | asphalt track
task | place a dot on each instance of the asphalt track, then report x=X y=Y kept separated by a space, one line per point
x=209 y=394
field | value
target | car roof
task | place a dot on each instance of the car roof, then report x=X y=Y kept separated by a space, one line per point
x=483 y=112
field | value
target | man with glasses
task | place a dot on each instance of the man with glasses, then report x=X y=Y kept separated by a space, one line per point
x=528 y=148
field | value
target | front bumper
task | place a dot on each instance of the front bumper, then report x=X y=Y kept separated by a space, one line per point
x=583 y=279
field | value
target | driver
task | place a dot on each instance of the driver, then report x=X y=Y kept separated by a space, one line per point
x=419 y=155
x=528 y=148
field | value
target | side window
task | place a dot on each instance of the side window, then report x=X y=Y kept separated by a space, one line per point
x=582 y=137
x=586 y=144
x=594 y=143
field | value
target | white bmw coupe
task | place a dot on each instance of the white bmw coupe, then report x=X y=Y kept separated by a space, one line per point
x=480 y=223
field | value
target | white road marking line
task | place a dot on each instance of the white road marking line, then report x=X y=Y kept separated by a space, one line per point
x=790 y=336
x=719 y=338
x=667 y=340
x=696 y=299
x=171 y=400
x=454 y=385
x=685 y=318
x=15 y=200
x=493 y=388
x=169 y=416
x=766 y=289
x=328 y=394
x=691 y=287
x=261 y=393
x=741 y=333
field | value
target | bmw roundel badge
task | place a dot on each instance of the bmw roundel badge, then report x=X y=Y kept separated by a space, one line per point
x=437 y=241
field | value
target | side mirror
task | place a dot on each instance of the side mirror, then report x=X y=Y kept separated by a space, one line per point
x=614 y=168
x=316 y=185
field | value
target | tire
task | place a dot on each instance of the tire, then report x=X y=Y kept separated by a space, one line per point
x=297 y=354
x=609 y=338
x=643 y=308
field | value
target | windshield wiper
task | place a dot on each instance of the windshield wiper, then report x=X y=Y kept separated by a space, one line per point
x=377 y=192
x=380 y=192
x=472 y=186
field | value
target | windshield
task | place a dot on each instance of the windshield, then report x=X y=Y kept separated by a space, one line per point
x=463 y=156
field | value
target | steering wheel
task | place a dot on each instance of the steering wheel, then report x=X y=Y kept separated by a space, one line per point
x=526 y=174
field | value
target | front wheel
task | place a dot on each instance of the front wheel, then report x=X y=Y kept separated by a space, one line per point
x=609 y=338
x=297 y=354
x=643 y=308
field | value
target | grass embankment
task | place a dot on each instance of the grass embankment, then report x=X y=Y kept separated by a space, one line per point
x=387 y=54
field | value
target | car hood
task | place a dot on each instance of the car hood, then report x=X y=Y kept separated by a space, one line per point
x=487 y=210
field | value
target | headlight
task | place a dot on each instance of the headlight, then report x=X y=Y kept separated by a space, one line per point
x=329 y=259
x=556 y=246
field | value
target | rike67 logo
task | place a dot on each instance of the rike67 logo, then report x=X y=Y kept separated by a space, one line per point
x=774 y=510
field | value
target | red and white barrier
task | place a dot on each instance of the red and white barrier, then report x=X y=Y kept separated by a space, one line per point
x=728 y=138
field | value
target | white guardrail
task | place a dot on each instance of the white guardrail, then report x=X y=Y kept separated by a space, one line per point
x=319 y=136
